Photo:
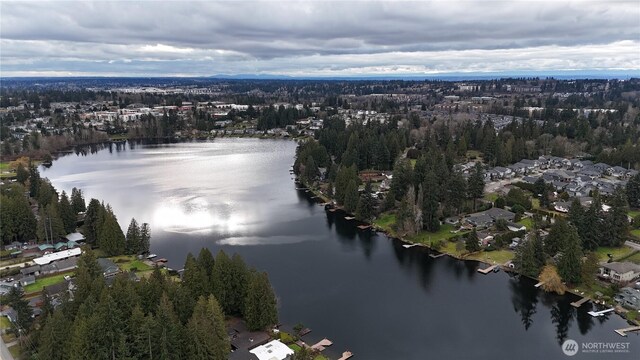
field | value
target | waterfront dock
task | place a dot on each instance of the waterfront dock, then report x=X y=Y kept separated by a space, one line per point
x=346 y=355
x=623 y=332
x=407 y=246
x=435 y=256
x=349 y=217
x=487 y=270
x=542 y=283
x=579 y=303
x=600 y=313
x=322 y=344
x=364 y=227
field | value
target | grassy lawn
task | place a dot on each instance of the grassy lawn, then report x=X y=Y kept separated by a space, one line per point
x=616 y=252
x=15 y=351
x=492 y=257
x=385 y=221
x=295 y=347
x=635 y=258
x=535 y=202
x=413 y=162
x=636 y=233
x=474 y=154
x=527 y=222
x=320 y=357
x=633 y=213
x=490 y=197
x=4 y=322
x=45 y=281
x=127 y=262
x=425 y=237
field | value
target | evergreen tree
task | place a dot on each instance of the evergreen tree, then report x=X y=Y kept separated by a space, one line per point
x=168 y=337
x=206 y=261
x=311 y=171
x=77 y=201
x=194 y=278
x=22 y=175
x=34 y=181
x=366 y=204
x=430 y=203
x=67 y=214
x=570 y=264
x=133 y=238
x=476 y=184
x=91 y=220
x=457 y=190
x=402 y=178
x=471 y=242
x=351 y=197
x=616 y=219
x=53 y=337
x=633 y=191
x=111 y=240
x=15 y=299
x=207 y=334
x=230 y=280
x=145 y=238
x=50 y=227
x=557 y=237
x=529 y=256
x=261 y=310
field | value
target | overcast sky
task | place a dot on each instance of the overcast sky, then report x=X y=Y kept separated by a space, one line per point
x=316 y=38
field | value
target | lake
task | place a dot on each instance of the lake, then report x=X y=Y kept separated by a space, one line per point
x=363 y=291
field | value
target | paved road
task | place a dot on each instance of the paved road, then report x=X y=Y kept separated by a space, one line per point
x=23 y=264
x=632 y=245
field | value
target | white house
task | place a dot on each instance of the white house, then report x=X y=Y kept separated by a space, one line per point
x=620 y=272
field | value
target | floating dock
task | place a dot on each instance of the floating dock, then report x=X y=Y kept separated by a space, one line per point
x=623 y=332
x=487 y=270
x=322 y=344
x=346 y=355
x=434 y=256
x=542 y=283
x=600 y=313
x=406 y=246
x=364 y=227
x=579 y=303
x=349 y=218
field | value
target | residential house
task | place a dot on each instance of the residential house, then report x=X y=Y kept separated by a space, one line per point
x=562 y=206
x=620 y=272
x=488 y=217
x=629 y=298
x=31 y=270
x=27 y=280
x=109 y=268
x=273 y=350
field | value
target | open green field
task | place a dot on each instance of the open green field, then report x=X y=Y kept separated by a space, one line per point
x=615 y=252
x=4 y=166
x=44 y=281
x=128 y=262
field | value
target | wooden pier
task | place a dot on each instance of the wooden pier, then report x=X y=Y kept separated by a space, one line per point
x=542 y=283
x=407 y=246
x=349 y=218
x=623 y=332
x=579 y=303
x=364 y=227
x=434 y=256
x=487 y=270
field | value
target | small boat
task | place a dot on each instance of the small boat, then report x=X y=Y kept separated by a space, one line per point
x=151 y=256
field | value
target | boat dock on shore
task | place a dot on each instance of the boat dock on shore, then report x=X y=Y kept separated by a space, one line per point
x=600 y=313
x=623 y=332
x=488 y=270
x=579 y=303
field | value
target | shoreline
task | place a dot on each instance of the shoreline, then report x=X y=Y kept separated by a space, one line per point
x=316 y=195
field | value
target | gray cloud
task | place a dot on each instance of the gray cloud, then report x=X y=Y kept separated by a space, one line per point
x=316 y=38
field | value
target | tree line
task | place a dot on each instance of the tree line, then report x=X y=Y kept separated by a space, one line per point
x=155 y=318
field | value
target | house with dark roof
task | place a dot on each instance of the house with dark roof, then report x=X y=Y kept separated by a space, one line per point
x=488 y=217
x=109 y=268
x=628 y=298
x=31 y=270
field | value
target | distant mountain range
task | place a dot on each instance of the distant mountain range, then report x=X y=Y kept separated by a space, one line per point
x=460 y=76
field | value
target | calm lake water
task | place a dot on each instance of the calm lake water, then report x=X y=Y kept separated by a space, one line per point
x=364 y=292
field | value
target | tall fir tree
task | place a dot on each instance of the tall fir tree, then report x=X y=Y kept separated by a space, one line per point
x=570 y=264
x=261 y=306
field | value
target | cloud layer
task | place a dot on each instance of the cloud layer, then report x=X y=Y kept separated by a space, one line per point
x=319 y=38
